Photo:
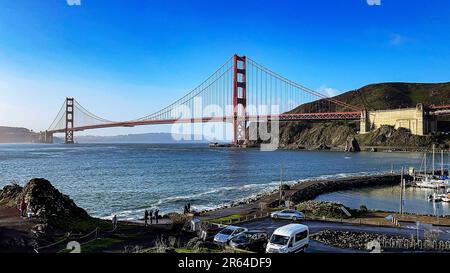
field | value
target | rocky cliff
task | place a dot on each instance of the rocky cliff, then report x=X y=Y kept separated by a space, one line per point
x=344 y=136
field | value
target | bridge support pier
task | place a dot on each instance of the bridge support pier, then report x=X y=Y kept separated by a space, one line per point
x=45 y=137
x=239 y=99
x=69 y=121
x=364 y=122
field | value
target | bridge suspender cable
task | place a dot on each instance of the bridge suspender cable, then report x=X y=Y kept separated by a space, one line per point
x=240 y=87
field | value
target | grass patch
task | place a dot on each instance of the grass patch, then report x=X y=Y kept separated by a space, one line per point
x=183 y=250
x=100 y=243
x=86 y=225
x=227 y=219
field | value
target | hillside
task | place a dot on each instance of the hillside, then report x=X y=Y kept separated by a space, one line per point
x=17 y=135
x=393 y=95
x=319 y=135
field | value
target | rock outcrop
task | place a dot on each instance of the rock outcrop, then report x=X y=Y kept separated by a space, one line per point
x=388 y=136
x=9 y=195
x=47 y=202
x=352 y=145
x=50 y=207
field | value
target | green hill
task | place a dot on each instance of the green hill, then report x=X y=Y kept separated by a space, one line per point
x=392 y=95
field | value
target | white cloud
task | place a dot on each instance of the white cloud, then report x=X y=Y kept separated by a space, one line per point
x=396 y=39
x=73 y=2
x=330 y=92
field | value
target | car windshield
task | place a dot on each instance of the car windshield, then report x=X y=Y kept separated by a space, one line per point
x=279 y=240
x=227 y=231
x=243 y=237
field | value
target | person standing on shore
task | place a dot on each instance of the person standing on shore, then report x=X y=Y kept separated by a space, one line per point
x=151 y=216
x=156 y=215
x=114 y=222
x=22 y=207
x=145 y=218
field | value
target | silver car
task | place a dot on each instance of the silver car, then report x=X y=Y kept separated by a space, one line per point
x=228 y=233
x=287 y=214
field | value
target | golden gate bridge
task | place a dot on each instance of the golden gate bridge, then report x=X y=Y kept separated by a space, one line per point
x=238 y=92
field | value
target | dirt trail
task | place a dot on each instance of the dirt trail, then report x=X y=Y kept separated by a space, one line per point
x=15 y=231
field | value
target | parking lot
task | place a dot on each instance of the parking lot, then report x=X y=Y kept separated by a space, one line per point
x=406 y=229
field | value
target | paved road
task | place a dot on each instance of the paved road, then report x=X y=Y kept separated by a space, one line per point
x=406 y=230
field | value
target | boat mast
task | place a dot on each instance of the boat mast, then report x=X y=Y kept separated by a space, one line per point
x=442 y=163
x=433 y=162
x=425 y=164
x=401 y=192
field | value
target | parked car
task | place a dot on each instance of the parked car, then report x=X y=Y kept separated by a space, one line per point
x=289 y=238
x=228 y=233
x=287 y=214
x=253 y=240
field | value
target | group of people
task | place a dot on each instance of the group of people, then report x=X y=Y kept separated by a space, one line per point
x=148 y=215
x=187 y=208
x=23 y=208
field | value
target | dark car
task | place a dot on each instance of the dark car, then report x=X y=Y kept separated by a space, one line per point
x=252 y=240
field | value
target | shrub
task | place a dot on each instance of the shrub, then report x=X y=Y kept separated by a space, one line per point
x=179 y=221
x=363 y=209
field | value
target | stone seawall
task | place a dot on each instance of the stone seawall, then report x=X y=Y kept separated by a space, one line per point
x=303 y=191
x=311 y=189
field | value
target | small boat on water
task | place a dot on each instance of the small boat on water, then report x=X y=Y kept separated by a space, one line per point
x=431 y=183
x=435 y=197
x=445 y=197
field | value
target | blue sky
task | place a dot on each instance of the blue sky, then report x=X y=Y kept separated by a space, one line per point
x=125 y=59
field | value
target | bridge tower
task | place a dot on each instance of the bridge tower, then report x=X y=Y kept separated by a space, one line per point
x=69 y=121
x=239 y=99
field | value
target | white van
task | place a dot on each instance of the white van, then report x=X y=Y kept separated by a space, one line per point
x=289 y=238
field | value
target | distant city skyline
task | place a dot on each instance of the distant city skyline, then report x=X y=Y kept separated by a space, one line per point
x=125 y=60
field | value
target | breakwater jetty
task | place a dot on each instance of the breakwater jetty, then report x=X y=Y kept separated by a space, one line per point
x=311 y=189
x=304 y=191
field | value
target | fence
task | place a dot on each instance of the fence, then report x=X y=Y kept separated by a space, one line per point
x=355 y=221
x=411 y=244
x=62 y=245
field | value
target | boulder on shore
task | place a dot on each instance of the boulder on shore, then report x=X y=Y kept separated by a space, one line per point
x=352 y=145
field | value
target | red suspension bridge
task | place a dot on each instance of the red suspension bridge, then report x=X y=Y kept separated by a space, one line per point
x=238 y=92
